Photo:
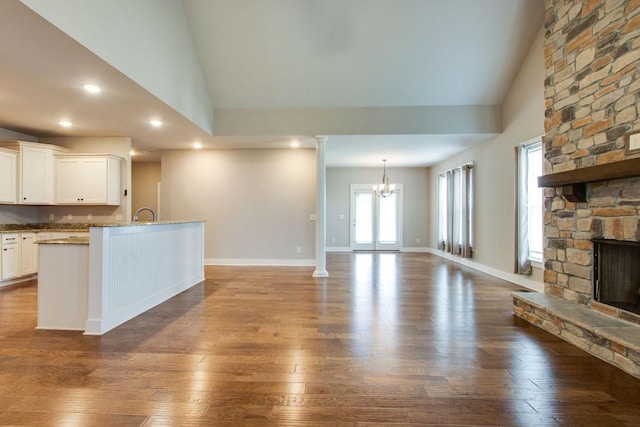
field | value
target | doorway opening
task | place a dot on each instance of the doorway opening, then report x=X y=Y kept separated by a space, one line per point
x=376 y=222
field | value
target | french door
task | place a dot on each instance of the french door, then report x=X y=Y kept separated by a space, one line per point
x=376 y=222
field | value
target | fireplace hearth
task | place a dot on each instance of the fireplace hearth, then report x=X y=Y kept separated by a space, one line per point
x=616 y=268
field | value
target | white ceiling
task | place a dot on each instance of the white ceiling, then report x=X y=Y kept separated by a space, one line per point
x=281 y=54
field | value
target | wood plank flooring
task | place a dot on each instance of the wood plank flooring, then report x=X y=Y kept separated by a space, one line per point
x=387 y=339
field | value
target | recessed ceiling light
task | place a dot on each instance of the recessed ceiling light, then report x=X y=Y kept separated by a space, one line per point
x=132 y=152
x=197 y=145
x=92 y=88
x=155 y=123
x=65 y=123
x=295 y=144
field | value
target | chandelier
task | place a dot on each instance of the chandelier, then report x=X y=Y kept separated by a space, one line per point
x=384 y=189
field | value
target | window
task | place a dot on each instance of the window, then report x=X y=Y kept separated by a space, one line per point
x=529 y=209
x=455 y=211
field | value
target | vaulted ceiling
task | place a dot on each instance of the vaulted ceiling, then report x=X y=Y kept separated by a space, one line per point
x=404 y=79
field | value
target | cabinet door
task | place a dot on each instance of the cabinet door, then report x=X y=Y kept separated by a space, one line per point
x=68 y=181
x=10 y=257
x=94 y=181
x=8 y=177
x=37 y=175
x=28 y=254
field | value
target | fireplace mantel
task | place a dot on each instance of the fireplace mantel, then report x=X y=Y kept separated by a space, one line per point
x=574 y=182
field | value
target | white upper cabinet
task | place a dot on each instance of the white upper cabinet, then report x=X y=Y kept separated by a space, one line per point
x=87 y=179
x=8 y=176
x=37 y=175
x=32 y=173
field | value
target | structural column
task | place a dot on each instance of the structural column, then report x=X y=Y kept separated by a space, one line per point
x=321 y=207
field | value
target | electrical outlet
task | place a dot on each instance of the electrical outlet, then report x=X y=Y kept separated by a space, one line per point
x=417 y=240
x=118 y=217
x=333 y=240
x=51 y=217
x=69 y=217
x=89 y=217
x=299 y=250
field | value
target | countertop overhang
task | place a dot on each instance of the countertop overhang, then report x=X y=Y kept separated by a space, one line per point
x=80 y=227
x=137 y=224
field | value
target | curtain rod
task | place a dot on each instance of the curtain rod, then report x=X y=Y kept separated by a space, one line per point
x=469 y=164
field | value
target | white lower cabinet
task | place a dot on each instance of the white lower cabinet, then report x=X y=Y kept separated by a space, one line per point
x=68 y=234
x=19 y=251
x=10 y=256
x=28 y=254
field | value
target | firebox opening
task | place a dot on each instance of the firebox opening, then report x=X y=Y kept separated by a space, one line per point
x=617 y=274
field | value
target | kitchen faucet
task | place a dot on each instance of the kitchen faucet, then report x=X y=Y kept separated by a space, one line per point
x=153 y=214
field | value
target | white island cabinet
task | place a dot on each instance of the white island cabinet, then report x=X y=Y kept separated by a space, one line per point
x=62 y=284
x=121 y=271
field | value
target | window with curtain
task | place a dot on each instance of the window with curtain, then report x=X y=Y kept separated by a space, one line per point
x=455 y=211
x=529 y=206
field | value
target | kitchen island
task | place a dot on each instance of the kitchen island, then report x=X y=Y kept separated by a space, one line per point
x=131 y=269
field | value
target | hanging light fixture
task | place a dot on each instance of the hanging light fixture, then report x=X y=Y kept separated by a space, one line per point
x=384 y=189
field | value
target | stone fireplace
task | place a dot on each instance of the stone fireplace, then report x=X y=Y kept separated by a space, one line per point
x=592 y=177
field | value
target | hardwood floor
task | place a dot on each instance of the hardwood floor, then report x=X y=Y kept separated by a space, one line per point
x=406 y=339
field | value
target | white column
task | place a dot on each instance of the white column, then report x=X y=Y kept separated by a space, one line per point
x=321 y=207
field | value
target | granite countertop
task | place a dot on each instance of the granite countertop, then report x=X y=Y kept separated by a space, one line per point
x=67 y=241
x=16 y=228
x=79 y=227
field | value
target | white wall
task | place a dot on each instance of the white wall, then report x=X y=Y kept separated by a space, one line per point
x=145 y=177
x=147 y=40
x=256 y=203
x=495 y=180
x=415 y=182
x=9 y=135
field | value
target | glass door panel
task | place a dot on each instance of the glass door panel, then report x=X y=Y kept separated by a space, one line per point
x=363 y=210
x=387 y=237
x=376 y=221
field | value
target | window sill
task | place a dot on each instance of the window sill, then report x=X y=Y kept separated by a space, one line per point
x=537 y=264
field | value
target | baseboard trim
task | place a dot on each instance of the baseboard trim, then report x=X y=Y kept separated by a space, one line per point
x=404 y=249
x=261 y=262
x=18 y=281
x=509 y=277
x=338 y=249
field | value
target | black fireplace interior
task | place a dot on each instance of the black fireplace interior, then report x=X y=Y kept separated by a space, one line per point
x=617 y=274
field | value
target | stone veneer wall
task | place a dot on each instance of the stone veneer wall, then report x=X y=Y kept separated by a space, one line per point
x=592 y=88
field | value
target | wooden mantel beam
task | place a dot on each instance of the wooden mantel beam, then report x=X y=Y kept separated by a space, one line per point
x=574 y=182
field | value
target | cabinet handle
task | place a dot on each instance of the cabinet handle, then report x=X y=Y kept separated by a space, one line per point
x=10 y=238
